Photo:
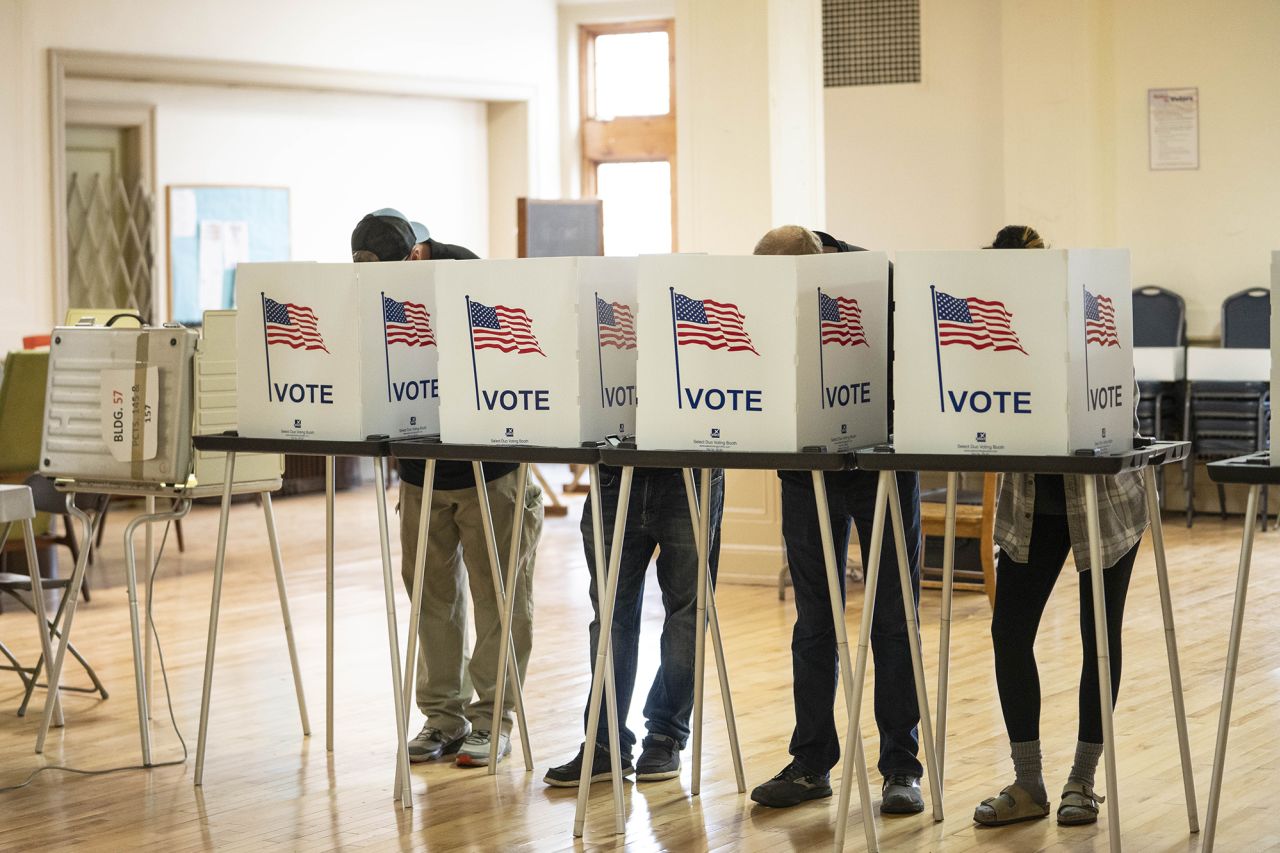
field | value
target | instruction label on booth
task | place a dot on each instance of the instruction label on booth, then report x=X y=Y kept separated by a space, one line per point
x=129 y=404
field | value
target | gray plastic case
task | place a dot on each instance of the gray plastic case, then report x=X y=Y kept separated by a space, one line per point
x=82 y=422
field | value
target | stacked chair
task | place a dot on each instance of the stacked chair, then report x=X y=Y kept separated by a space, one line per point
x=1230 y=418
x=1159 y=320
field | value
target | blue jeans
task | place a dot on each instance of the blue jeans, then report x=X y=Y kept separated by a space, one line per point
x=657 y=519
x=815 y=665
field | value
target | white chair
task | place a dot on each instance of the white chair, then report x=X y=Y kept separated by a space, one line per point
x=18 y=507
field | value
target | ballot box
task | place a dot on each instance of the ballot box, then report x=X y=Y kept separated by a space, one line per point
x=1013 y=352
x=336 y=352
x=1160 y=364
x=768 y=353
x=537 y=351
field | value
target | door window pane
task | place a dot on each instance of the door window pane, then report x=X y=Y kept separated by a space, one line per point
x=632 y=75
x=637 y=207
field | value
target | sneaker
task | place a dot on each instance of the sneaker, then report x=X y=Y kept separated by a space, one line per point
x=792 y=786
x=660 y=759
x=901 y=795
x=567 y=775
x=432 y=743
x=475 y=749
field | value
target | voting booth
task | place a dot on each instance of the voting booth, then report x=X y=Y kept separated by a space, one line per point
x=765 y=353
x=537 y=351
x=337 y=352
x=1017 y=352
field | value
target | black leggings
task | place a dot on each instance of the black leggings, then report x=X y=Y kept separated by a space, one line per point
x=1022 y=590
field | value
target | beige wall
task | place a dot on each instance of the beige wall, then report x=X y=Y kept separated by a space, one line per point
x=1035 y=111
x=500 y=42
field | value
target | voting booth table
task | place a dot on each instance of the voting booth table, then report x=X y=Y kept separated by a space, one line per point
x=120 y=408
x=333 y=360
x=1020 y=390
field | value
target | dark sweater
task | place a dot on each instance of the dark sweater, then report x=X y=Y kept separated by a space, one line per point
x=451 y=475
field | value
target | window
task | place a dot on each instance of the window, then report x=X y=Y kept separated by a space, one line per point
x=627 y=100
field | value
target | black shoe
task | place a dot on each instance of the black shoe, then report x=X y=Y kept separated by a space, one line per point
x=567 y=775
x=901 y=795
x=659 y=760
x=792 y=786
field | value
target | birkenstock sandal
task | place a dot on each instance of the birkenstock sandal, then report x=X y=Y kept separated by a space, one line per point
x=1014 y=805
x=1079 y=804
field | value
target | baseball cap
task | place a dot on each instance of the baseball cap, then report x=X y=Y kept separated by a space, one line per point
x=420 y=232
x=388 y=237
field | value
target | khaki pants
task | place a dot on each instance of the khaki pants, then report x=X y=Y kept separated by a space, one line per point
x=445 y=676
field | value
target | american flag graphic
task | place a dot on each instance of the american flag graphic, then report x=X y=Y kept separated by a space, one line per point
x=294 y=326
x=840 y=321
x=407 y=323
x=502 y=328
x=976 y=323
x=1099 y=321
x=715 y=325
x=617 y=326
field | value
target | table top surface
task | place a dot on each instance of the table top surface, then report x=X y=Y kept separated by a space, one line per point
x=1254 y=469
x=430 y=447
x=233 y=443
x=885 y=458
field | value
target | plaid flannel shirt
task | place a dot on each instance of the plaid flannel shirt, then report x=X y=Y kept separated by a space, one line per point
x=1122 y=513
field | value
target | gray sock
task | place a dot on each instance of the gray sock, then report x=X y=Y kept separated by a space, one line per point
x=1086 y=763
x=1028 y=769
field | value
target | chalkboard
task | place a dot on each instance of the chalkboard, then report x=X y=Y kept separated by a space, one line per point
x=552 y=228
x=212 y=228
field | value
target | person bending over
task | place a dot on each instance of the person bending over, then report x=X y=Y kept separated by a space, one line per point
x=1041 y=518
x=457 y=722
x=815 y=746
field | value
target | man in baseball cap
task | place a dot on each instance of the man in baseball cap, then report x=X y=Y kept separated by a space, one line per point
x=384 y=235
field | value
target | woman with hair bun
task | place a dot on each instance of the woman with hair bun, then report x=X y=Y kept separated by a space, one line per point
x=1040 y=519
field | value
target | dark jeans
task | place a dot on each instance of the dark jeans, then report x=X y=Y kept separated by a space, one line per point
x=851 y=498
x=657 y=519
x=1022 y=590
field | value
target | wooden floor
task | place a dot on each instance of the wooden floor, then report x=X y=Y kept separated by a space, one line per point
x=268 y=788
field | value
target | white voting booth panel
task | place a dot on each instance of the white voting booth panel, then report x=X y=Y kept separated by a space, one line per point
x=769 y=353
x=1216 y=364
x=1013 y=352
x=537 y=351
x=1159 y=364
x=336 y=352
x=1275 y=346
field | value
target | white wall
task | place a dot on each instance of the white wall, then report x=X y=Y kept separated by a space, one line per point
x=509 y=42
x=340 y=155
x=1034 y=111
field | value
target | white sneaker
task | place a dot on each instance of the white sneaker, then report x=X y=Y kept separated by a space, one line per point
x=475 y=749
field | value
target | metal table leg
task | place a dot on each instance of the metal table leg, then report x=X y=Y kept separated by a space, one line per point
x=854 y=700
x=495 y=568
x=506 y=616
x=611 y=693
x=72 y=598
x=415 y=600
x=329 y=488
x=944 y=624
x=135 y=622
x=1104 y=658
x=602 y=663
x=700 y=516
x=149 y=552
x=37 y=603
x=1171 y=647
x=913 y=640
x=270 y=518
x=219 y=563
x=1233 y=661
x=393 y=638
x=835 y=588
